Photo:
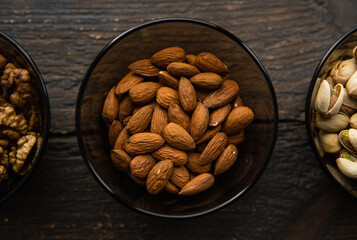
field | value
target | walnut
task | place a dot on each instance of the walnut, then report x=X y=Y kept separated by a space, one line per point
x=24 y=146
x=3 y=173
x=11 y=134
x=16 y=85
x=4 y=157
x=8 y=118
x=3 y=62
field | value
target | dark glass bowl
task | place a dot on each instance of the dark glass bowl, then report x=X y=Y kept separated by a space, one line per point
x=17 y=55
x=328 y=161
x=194 y=36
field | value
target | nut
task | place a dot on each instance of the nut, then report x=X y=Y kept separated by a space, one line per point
x=127 y=82
x=166 y=95
x=210 y=133
x=120 y=159
x=168 y=55
x=114 y=131
x=208 y=62
x=193 y=164
x=144 y=93
x=159 y=176
x=166 y=152
x=144 y=142
x=237 y=120
x=168 y=80
x=213 y=148
x=182 y=69
x=178 y=116
x=187 y=95
x=219 y=115
x=141 y=165
x=145 y=68
x=199 y=121
x=198 y=184
x=125 y=108
x=159 y=120
x=177 y=137
x=110 y=107
x=180 y=176
x=207 y=80
x=140 y=120
x=226 y=159
x=222 y=96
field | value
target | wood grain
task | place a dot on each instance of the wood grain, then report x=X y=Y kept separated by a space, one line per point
x=292 y=200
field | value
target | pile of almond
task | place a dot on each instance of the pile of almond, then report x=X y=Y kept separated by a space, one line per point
x=175 y=121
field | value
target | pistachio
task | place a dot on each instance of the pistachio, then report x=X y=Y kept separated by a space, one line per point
x=353 y=121
x=329 y=142
x=352 y=137
x=343 y=137
x=334 y=123
x=351 y=85
x=354 y=53
x=329 y=102
x=343 y=70
x=347 y=166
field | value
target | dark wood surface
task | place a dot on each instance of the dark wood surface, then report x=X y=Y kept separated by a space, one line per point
x=293 y=199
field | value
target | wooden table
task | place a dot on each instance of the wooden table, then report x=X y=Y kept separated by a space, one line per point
x=293 y=199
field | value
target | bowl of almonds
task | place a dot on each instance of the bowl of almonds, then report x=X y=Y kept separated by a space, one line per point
x=24 y=116
x=331 y=108
x=176 y=118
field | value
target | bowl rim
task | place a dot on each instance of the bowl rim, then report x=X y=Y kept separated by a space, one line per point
x=159 y=21
x=46 y=105
x=308 y=117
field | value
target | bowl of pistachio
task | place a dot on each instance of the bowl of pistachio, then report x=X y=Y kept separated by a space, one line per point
x=331 y=112
x=24 y=116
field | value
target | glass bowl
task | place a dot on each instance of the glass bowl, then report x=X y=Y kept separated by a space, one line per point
x=194 y=36
x=328 y=161
x=17 y=55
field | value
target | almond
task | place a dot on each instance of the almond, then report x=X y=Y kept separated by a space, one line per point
x=214 y=148
x=237 y=120
x=187 y=95
x=193 y=164
x=202 y=94
x=159 y=176
x=168 y=55
x=168 y=153
x=140 y=120
x=127 y=82
x=110 y=107
x=159 y=120
x=144 y=93
x=180 y=176
x=182 y=69
x=166 y=95
x=219 y=115
x=122 y=139
x=120 y=159
x=237 y=102
x=207 y=80
x=226 y=159
x=178 y=116
x=190 y=59
x=145 y=68
x=210 y=133
x=198 y=184
x=199 y=121
x=114 y=130
x=171 y=188
x=168 y=80
x=140 y=181
x=141 y=165
x=222 y=96
x=125 y=108
x=142 y=143
x=208 y=62
x=236 y=139
x=126 y=120
x=178 y=138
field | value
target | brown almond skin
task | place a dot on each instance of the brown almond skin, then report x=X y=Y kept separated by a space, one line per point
x=178 y=116
x=110 y=107
x=182 y=69
x=141 y=165
x=214 y=148
x=168 y=55
x=120 y=159
x=166 y=95
x=238 y=119
x=143 y=143
x=127 y=82
x=125 y=108
x=159 y=120
x=126 y=121
x=236 y=139
x=114 y=130
x=177 y=137
x=198 y=184
x=140 y=181
x=140 y=120
x=193 y=164
x=237 y=102
x=199 y=121
x=145 y=68
x=208 y=62
x=122 y=139
x=187 y=95
x=202 y=94
x=210 y=133
x=222 y=96
x=159 y=176
x=171 y=188
x=207 y=80
x=219 y=115
x=180 y=176
x=227 y=158
x=168 y=80
x=190 y=59
x=144 y=92
x=166 y=152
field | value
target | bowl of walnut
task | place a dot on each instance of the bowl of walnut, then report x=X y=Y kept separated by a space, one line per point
x=24 y=116
x=176 y=118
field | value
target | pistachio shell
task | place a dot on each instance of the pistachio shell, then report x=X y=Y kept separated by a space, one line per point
x=348 y=101
x=352 y=137
x=347 y=155
x=343 y=137
x=347 y=167
x=329 y=142
x=351 y=85
x=353 y=121
x=343 y=70
x=354 y=53
x=336 y=99
x=322 y=101
x=334 y=123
